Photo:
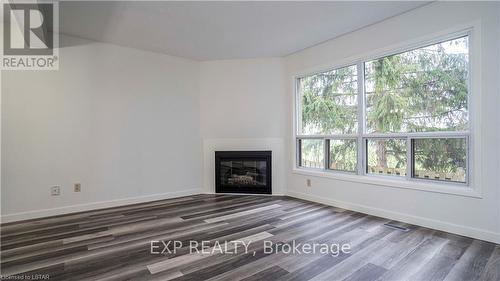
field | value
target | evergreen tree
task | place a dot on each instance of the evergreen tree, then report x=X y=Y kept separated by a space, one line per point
x=421 y=90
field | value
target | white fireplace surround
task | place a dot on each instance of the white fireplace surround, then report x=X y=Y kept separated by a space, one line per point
x=276 y=145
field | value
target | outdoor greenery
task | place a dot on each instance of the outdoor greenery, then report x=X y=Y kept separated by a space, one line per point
x=441 y=155
x=421 y=90
x=312 y=153
x=343 y=155
x=329 y=102
x=393 y=156
x=417 y=91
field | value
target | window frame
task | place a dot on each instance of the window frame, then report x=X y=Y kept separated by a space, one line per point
x=328 y=153
x=361 y=175
x=365 y=158
x=467 y=158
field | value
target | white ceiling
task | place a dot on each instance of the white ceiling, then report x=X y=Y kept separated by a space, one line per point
x=222 y=30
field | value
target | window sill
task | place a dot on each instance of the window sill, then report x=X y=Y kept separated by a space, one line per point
x=422 y=185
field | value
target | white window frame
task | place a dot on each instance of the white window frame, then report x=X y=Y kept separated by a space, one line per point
x=470 y=188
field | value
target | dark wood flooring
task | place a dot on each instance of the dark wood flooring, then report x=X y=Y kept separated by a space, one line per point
x=115 y=244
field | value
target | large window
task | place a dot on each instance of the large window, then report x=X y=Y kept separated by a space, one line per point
x=329 y=102
x=403 y=116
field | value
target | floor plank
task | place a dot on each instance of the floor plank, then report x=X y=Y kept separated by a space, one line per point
x=115 y=243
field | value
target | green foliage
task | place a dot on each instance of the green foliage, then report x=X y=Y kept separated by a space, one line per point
x=329 y=102
x=440 y=155
x=393 y=149
x=312 y=151
x=387 y=114
x=343 y=155
x=420 y=90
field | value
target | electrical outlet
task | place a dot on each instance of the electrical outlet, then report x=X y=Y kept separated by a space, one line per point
x=78 y=187
x=55 y=190
x=308 y=182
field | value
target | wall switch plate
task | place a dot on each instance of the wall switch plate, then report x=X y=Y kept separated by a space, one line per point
x=55 y=190
x=308 y=182
x=78 y=187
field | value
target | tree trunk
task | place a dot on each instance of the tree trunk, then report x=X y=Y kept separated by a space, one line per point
x=381 y=154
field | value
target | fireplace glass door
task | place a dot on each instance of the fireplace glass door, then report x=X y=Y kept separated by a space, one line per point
x=243 y=172
x=249 y=172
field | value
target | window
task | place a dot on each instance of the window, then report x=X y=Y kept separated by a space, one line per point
x=386 y=156
x=311 y=153
x=440 y=159
x=342 y=155
x=422 y=90
x=329 y=103
x=329 y=107
x=403 y=116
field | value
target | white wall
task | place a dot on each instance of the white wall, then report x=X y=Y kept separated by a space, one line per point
x=243 y=98
x=122 y=122
x=243 y=106
x=498 y=114
x=478 y=217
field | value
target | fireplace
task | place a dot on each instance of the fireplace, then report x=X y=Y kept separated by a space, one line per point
x=243 y=172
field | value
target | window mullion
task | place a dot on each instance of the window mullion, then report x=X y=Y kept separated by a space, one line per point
x=326 y=163
x=409 y=157
x=298 y=158
x=468 y=159
x=298 y=109
x=361 y=116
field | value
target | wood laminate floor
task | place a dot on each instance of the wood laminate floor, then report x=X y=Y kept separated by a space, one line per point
x=115 y=244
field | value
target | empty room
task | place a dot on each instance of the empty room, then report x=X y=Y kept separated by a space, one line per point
x=250 y=140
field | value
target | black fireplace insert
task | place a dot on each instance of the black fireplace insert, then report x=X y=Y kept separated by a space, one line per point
x=243 y=172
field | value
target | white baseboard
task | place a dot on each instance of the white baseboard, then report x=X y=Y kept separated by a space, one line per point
x=416 y=220
x=95 y=205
